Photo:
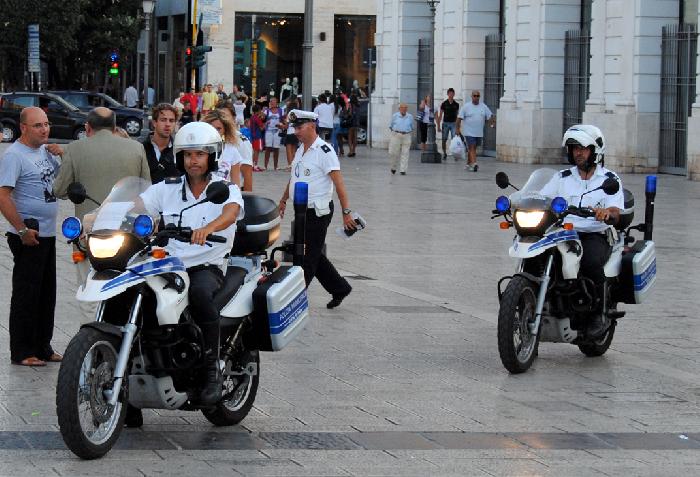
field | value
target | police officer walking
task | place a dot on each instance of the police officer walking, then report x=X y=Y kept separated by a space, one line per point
x=316 y=163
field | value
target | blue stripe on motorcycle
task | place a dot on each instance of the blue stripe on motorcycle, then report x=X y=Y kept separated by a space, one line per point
x=642 y=280
x=561 y=236
x=281 y=320
x=166 y=265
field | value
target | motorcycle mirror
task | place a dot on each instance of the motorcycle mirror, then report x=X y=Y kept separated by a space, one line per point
x=77 y=193
x=217 y=193
x=502 y=180
x=610 y=186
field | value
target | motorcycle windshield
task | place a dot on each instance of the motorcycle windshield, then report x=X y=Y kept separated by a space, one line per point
x=120 y=208
x=529 y=196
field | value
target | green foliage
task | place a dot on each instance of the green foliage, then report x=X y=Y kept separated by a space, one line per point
x=76 y=36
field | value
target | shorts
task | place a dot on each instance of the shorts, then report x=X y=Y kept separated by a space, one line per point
x=291 y=140
x=272 y=139
x=473 y=141
x=257 y=144
x=447 y=130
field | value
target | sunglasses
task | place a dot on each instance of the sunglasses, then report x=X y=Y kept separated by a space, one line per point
x=476 y=95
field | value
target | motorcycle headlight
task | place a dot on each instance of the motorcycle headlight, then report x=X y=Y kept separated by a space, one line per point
x=105 y=247
x=528 y=219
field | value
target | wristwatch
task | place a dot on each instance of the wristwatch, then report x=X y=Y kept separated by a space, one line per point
x=22 y=232
x=346 y=211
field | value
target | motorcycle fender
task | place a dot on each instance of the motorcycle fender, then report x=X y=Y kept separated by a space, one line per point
x=97 y=290
x=570 y=258
x=242 y=302
x=170 y=302
x=103 y=327
x=522 y=250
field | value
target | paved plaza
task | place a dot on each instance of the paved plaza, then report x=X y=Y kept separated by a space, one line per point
x=404 y=377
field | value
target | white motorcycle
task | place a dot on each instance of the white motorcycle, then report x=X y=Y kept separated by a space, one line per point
x=144 y=347
x=546 y=300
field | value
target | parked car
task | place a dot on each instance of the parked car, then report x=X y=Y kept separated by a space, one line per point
x=67 y=121
x=131 y=119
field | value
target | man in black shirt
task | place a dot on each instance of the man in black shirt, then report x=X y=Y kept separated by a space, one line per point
x=447 y=115
x=159 y=145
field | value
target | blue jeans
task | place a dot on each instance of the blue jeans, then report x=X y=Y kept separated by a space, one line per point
x=448 y=129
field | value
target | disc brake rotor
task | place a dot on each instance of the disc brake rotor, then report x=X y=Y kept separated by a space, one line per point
x=101 y=380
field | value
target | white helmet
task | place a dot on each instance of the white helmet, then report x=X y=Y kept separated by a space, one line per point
x=198 y=136
x=588 y=136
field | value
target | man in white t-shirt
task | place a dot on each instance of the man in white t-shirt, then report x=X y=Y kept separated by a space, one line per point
x=470 y=121
x=325 y=111
x=316 y=163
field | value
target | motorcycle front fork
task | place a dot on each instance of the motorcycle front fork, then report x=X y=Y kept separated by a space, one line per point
x=129 y=332
x=541 y=295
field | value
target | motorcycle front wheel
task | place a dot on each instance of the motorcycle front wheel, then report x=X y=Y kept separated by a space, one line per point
x=241 y=378
x=516 y=345
x=88 y=424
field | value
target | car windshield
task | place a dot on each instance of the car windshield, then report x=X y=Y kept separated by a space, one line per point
x=531 y=190
x=120 y=208
x=110 y=101
x=62 y=102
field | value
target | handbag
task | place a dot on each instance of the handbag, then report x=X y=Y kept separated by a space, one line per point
x=346 y=120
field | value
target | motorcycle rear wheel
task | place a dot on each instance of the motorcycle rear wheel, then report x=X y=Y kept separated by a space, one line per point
x=599 y=347
x=88 y=424
x=241 y=378
x=516 y=345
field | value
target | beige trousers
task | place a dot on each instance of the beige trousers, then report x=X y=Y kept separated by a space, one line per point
x=399 y=145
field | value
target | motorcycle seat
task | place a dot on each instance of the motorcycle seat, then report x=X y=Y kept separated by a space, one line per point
x=232 y=282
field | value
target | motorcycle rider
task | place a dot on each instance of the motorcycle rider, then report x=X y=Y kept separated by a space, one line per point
x=197 y=148
x=585 y=149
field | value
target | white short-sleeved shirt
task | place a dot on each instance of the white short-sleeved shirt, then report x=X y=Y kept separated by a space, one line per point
x=166 y=199
x=325 y=113
x=229 y=158
x=245 y=149
x=314 y=167
x=473 y=117
x=569 y=185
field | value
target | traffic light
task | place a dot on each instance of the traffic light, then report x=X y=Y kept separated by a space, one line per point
x=241 y=54
x=199 y=57
x=262 y=54
x=114 y=64
x=188 y=58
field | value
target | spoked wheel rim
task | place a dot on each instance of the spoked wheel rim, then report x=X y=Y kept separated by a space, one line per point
x=238 y=382
x=98 y=420
x=523 y=340
x=133 y=127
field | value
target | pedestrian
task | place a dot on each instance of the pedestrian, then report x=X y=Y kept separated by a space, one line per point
x=221 y=93
x=200 y=103
x=257 y=132
x=446 y=119
x=177 y=102
x=209 y=100
x=325 y=109
x=191 y=98
x=239 y=107
x=340 y=125
x=229 y=168
x=424 y=116
x=159 y=144
x=317 y=164
x=186 y=115
x=474 y=114
x=291 y=143
x=401 y=127
x=354 y=112
x=242 y=145
x=131 y=96
x=27 y=201
x=273 y=115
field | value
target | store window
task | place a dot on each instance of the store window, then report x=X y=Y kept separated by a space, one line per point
x=353 y=37
x=267 y=51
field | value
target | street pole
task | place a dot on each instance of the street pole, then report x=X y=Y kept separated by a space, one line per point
x=193 y=78
x=147 y=10
x=369 y=97
x=307 y=46
x=431 y=153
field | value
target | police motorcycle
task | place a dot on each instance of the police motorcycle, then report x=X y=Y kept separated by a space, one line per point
x=545 y=299
x=144 y=348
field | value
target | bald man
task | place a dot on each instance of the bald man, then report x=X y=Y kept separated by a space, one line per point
x=27 y=172
x=401 y=127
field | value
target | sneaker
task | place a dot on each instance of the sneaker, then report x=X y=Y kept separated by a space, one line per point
x=393 y=171
x=467 y=167
x=403 y=173
x=475 y=167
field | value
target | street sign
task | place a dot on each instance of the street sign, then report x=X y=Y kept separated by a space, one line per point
x=210 y=12
x=33 y=53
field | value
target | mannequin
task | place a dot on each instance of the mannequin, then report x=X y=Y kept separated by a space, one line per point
x=295 y=86
x=356 y=90
x=337 y=89
x=285 y=90
x=272 y=91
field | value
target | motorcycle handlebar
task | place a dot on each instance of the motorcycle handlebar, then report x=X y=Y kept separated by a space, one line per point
x=184 y=234
x=581 y=211
x=216 y=238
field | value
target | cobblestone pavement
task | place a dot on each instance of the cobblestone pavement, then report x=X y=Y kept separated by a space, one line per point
x=404 y=378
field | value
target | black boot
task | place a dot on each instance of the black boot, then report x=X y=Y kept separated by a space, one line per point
x=598 y=326
x=134 y=417
x=211 y=393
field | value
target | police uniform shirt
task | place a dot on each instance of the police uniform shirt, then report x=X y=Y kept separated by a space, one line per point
x=569 y=185
x=314 y=167
x=167 y=198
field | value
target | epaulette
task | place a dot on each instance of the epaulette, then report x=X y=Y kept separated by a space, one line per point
x=325 y=148
x=565 y=173
x=611 y=175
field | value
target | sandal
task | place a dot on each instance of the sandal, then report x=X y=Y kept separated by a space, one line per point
x=31 y=361
x=55 y=358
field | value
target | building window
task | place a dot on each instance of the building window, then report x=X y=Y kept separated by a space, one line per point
x=267 y=51
x=353 y=36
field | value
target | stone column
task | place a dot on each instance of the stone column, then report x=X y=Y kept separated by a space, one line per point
x=693 y=127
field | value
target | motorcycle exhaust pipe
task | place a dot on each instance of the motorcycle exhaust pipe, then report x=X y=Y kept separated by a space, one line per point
x=650 y=192
x=301 y=197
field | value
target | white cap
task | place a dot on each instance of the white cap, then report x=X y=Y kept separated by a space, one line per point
x=298 y=116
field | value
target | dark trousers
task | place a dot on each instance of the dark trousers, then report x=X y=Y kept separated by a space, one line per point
x=316 y=264
x=204 y=283
x=33 y=298
x=596 y=252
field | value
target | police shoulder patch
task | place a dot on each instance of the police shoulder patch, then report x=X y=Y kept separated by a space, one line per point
x=565 y=173
x=325 y=148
